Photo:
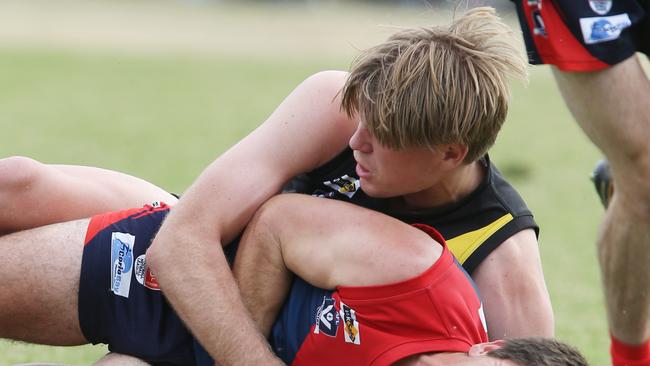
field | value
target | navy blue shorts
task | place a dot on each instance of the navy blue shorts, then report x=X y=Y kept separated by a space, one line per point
x=120 y=303
x=584 y=35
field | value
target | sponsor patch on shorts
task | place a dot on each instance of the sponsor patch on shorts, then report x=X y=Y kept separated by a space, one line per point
x=604 y=29
x=350 y=325
x=327 y=318
x=121 y=262
x=143 y=274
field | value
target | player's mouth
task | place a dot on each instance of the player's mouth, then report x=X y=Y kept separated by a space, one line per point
x=362 y=172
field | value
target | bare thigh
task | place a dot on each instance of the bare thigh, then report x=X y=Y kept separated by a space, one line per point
x=117 y=359
x=34 y=194
x=39 y=274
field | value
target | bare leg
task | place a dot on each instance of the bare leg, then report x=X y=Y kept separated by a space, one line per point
x=328 y=244
x=33 y=194
x=40 y=271
x=116 y=359
x=613 y=108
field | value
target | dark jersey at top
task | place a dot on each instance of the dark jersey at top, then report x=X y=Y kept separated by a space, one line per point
x=473 y=227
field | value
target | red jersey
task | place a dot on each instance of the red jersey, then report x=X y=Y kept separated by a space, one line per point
x=437 y=311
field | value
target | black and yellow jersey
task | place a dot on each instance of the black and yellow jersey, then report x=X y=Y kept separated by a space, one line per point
x=473 y=226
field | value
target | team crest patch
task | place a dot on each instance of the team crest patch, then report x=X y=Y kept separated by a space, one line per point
x=345 y=185
x=143 y=274
x=327 y=318
x=121 y=263
x=600 y=7
x=603 y=29
x=350 y=325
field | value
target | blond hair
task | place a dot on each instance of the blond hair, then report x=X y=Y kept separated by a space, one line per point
x=425 y=87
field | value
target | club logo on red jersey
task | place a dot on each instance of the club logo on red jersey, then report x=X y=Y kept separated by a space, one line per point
x=600 y=7
x=144 y=275
x=350 y=325
x=327 y=318
x=121 y=263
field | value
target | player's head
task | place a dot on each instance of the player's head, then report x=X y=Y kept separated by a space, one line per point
x=436 y=89
x=534 y=351
x=538 y=351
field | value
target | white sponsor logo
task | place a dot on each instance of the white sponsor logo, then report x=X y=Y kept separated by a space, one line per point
x=121 y=263
x=601 y=7
x=603 y=29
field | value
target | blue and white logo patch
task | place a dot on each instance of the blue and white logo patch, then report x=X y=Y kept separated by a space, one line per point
x=327 y=318
x=121 y=263
x=600 y=7
x=603 y=29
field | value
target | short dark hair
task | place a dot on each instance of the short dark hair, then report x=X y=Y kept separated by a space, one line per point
x=538 y=351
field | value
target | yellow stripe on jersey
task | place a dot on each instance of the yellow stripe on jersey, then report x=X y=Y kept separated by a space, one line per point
x=464 y=245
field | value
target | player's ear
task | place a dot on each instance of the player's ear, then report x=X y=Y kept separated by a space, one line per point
x=454 y=153
x=481 y=349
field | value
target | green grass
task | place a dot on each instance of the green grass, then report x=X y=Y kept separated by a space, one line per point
x=164 y=116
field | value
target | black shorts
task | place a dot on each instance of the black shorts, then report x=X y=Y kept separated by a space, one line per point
x=584 y=35
x=119 y=300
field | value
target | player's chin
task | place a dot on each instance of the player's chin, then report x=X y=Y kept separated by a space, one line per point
x=375 y=190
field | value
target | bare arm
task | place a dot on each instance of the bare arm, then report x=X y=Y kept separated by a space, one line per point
x=513 y=290
x=35 y=194
x=306 y=130
x=327 y=243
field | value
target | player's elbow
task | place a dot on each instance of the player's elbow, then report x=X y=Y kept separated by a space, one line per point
x=179 y=245
x=19 y=173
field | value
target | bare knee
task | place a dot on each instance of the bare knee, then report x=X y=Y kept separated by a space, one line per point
x=632 y=182
x=19 y=173
x=117 y=359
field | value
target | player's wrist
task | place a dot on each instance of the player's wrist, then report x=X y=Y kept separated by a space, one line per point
x=624 y=354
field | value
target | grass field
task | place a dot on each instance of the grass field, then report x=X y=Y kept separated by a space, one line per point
x=158 y=89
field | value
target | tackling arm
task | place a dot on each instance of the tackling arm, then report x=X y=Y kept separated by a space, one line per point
x=306 y=130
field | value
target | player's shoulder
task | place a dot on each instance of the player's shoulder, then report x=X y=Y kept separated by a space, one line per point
x=327 y=79
x=504 y=193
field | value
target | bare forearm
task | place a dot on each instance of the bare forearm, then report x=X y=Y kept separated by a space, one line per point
x=261 y=273
x=198 y=283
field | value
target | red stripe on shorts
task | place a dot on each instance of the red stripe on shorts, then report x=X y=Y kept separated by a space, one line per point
x=102 y=221
x=559 y=46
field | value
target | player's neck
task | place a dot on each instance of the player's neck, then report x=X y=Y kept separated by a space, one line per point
x=450 y=189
